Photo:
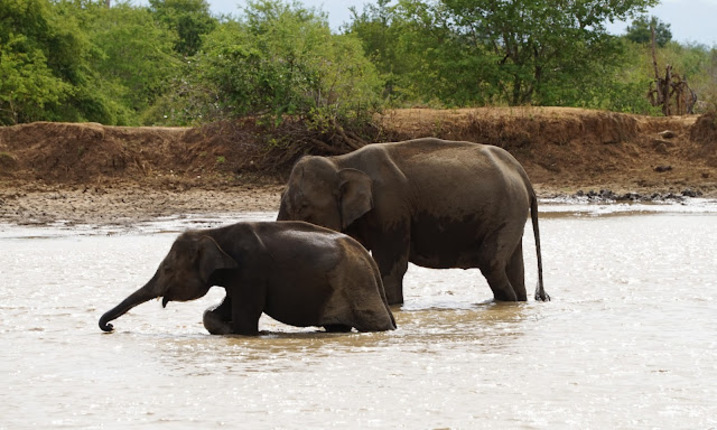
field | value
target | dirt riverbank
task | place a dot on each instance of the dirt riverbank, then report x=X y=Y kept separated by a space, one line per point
x=90 y=173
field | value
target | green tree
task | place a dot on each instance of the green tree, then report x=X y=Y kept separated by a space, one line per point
x=706 y=85
x=405 y=52
x=134 y=56
x=515 y=52
x=640 y=31
x=190 y=19
x=378 y=29
x=282 y=59
x=37 y=67
x=89 y=99
x=541 y=44
x=619 y=87
x=77 y=60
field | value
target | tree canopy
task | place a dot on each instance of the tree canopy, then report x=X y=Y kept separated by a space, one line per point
x=173 y=62
x=36 y=76
x=514 y=52
x=640 y=31
x=189 y=19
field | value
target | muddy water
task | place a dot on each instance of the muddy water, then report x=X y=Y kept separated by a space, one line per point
x=629 y=341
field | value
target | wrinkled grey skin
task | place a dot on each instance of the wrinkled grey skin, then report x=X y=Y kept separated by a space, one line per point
x=435 y=203
x=297 y=273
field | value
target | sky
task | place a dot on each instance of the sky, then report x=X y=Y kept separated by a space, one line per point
x=691 y=21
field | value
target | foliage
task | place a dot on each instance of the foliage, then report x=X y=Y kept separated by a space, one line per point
x=134 y=55
x=623 y=87
x=640 y=31
x=34 y=73
x=76 y=60
x=530 y=51
x=705 y=84
x=171 y=62
x=189 y=19
x=282 y=59
x=697 y=65
x=192 y=101
x=387 y=40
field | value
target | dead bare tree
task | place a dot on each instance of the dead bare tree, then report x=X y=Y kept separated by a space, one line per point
x=672 y=89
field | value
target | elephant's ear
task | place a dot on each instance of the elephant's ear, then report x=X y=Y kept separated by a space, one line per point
x=212 y=257
x=356 y=195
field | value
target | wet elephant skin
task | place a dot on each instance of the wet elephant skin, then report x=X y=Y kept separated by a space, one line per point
x=297 y=273
x=432 y=202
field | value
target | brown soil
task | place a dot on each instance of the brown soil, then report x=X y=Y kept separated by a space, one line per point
x=94 y=173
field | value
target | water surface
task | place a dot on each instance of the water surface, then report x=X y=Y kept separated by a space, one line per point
x=628 y=341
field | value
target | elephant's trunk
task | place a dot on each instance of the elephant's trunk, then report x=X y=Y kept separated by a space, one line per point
x=146 y=293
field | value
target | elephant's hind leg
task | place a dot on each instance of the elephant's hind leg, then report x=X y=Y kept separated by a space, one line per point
x=499 y=283
x=373 y=320
x=494 y=263
x=515 y=270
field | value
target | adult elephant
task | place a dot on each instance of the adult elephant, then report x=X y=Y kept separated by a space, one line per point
x=435 y=203
x=295 y=272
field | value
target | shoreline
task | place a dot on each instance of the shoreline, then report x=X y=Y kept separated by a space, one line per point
x=126 y=204
x=94 y=174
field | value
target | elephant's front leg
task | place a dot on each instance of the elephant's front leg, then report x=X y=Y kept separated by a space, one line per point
x=218 y=319
x=391 y=252
x=248 y=300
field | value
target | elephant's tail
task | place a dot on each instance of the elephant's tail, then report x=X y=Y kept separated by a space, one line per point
x=540 y=293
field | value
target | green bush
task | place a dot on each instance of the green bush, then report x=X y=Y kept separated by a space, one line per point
x=281 y=59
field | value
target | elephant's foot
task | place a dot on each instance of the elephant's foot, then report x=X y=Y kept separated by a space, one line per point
x=215 y=325
x=394 y=296
x=397 y=301
x=337 y=328
x=504 y=295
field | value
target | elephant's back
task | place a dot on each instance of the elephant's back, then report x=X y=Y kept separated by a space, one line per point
x=294 y=226
x=459 y=172
x=444 y=161
x=298 y=241
x=438 y=152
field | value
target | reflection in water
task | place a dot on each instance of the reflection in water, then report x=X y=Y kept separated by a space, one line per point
x=627 y=341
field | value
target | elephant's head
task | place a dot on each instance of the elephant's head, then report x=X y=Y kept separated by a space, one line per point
x=183 y=275
x=320 y=193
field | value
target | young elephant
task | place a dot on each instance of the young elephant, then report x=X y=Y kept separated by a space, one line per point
x=297 y=273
